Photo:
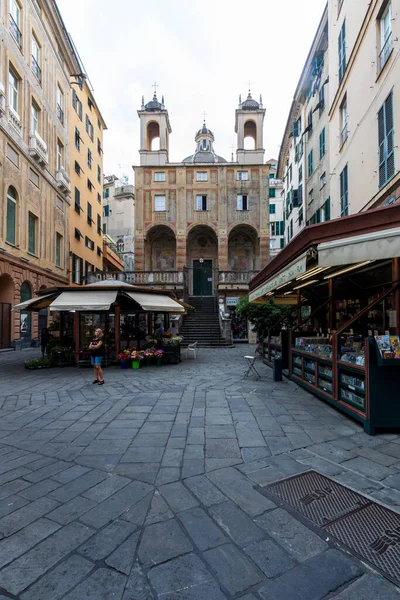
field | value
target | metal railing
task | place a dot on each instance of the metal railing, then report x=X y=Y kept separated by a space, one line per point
x=236 y=277
x=36 y=69
x=142 y=277
x=15 y=32
x=385 y=52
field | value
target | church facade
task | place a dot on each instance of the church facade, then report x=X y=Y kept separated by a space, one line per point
x=203 y=221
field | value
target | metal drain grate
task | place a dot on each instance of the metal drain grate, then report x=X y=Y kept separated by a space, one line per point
x=368 y=530
x=373 y=534
x=317 y=497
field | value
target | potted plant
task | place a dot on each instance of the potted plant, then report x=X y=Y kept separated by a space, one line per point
x=148 y=354
x=38 y=363
x=158 y=354
x=124 y=357
x=136 y=357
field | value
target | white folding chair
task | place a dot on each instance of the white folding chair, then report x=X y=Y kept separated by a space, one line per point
x=251 y=366
x=192 y=348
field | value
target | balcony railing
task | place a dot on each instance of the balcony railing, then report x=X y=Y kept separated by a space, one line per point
x=15 y=32
x=344 y=134
x=235 y=277
x=15 y=120
x=36 y=69
x=38 y=148
x=385 y=52
x=60 y=114
x=151 y=278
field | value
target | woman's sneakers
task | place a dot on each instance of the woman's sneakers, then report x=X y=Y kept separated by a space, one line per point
x=101 y=382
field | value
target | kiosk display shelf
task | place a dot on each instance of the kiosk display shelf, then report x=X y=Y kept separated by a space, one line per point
x=313 y=370
x=276 y=346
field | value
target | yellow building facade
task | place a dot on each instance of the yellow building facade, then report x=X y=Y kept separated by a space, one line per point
x=86 y=173
x=36 y=63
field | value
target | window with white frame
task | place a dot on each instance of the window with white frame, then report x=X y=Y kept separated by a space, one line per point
x=201 y=176
x=386 y=38
x=310 y=196
x=201 y=202
x=342 y=51
x=36 y=58
x=159 y=203
x=272 y=244
x=242 y=175
x=60 y=105
x=13 y=85
x=15 y=22
x=60 y=156
x=322 y=180
x=34 y=118
x=242 y=202
x=159 y=176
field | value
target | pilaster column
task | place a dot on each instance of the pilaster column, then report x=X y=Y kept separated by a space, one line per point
x=223 y=264
x=180 y=251
x=264 y=250
x=139 y=253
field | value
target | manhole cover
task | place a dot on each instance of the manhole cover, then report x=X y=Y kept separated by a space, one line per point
x=372 y=533
x=317 y=497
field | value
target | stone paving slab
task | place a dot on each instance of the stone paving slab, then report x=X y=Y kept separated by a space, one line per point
x=149 y=487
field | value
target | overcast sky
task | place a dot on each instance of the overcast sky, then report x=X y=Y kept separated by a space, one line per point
x=201 y=53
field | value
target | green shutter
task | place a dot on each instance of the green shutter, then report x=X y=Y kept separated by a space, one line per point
x=282 y=242
x=328 y=210
x=31 y=234
x=272 y=192
x=272 y=209
x=11 y=220
x=58 y=250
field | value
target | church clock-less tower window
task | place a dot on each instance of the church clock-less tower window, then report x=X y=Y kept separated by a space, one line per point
x=249 y=124
x=154 y=133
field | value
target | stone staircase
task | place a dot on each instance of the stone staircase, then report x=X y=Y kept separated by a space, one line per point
x=202 y=324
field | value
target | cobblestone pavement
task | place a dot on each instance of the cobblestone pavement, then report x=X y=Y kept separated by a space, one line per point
x=149 y=487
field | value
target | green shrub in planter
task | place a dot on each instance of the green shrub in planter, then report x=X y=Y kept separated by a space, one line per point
x=38 y=363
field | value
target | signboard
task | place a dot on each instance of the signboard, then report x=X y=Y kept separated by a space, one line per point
x=296 y=268
x=233 y=301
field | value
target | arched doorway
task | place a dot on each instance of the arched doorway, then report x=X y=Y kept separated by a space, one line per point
x=160 y=249
x=25 y=317
x=243 y=248
x=6 y=302
x=202 y=260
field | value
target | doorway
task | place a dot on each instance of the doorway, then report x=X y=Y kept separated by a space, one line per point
x=202 y=278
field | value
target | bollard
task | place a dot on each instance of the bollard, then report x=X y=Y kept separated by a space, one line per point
x=277 y=369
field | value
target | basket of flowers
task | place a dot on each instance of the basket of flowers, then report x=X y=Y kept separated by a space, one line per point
x=124 y=358
x=158 y=355
x=148 y=355
x=136 y=357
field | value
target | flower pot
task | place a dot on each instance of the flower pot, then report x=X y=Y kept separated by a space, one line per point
x=159 y=362
x=124 y=364
x=135 y=364
x=148 y=362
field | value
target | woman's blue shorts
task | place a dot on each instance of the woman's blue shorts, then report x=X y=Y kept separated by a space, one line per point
x=96 y=360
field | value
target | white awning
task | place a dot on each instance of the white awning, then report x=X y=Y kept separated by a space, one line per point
x=378 y=245
x=84 y=301
x=35 y=303
x=293 y=270
x=156 y=302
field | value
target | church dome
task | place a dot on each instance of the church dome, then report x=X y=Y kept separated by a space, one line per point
x=204 y=148
x=154 y=104
x=202 y=156
x=250 y=103
x=205 y=131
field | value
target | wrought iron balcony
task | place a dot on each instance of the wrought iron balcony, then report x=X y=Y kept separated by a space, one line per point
x=38 y=148
x=15 y=32
x=63 y=180
x=385 y=52
x=36 y=69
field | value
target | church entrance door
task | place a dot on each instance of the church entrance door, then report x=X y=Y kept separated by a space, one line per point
x=202 y=278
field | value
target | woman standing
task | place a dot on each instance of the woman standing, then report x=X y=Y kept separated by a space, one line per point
x=97 y=352
x=44 y=340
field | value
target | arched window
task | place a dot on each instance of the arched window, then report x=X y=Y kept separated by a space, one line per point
x=153 y=136
x=250 y=135
x=11 y=215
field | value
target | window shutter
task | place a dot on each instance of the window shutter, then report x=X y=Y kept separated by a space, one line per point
x=199 y=202
x=328 y=210
x=295 y=198
x=389 y=137
x=300 y=195
x=381 y=139
x=296 y=129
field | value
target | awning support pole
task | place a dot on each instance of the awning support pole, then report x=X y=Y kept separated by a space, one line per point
x=117 y=330
x=331 y=305
x=76 y=331
x=396 y=307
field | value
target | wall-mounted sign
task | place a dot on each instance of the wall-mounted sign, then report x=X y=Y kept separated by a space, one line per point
x=296 y=268
x=233 y=301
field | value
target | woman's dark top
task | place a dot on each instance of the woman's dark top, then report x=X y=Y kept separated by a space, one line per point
x=97 y=351
x=44 y=338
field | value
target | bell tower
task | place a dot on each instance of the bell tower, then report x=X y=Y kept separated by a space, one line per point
x=154 y=133
x=249 y=124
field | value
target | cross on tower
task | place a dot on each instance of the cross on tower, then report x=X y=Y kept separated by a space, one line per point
x=204 y=116
x=250 y=83
x=155 y=86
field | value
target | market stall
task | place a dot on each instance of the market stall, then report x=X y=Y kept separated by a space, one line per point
x=129 y=316
x=345 y=345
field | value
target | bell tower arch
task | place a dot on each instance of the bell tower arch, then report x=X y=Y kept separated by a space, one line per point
x=249 y=125
x=154 y=133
